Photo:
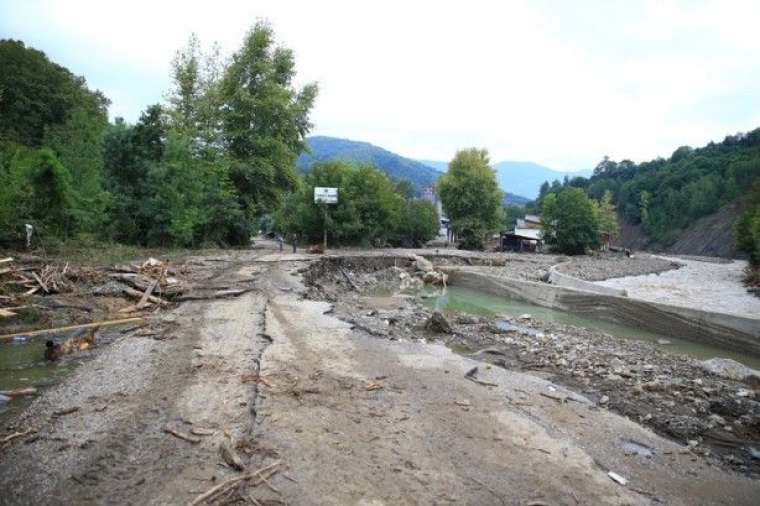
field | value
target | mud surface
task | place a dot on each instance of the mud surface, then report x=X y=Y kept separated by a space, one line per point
x=316 y=369
x=719 y=419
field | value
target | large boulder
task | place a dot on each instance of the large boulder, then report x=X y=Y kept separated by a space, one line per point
x=731 y=369
x=422 y=264
x=437 y=323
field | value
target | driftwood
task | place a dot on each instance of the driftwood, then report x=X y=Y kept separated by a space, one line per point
x=11 y=437
x=146 y=296
x=66 y=411
x=135 y=294
x=42 y=332
x=19 y=392
x=189 y=439
x=258 y=476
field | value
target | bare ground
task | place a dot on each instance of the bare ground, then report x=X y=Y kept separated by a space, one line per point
x=353 y=418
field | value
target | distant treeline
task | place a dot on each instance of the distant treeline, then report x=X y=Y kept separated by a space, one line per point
x=666 y=196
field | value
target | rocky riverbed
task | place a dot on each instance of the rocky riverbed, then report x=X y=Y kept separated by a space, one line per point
x=615 y=265
x=715 y=418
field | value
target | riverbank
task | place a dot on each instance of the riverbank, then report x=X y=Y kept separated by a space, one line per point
x=709 y=286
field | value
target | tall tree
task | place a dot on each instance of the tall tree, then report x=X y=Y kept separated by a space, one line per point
x=570 y=221
x=265 y=119
x=471 y=197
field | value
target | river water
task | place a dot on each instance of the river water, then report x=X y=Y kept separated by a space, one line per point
x=456 y=299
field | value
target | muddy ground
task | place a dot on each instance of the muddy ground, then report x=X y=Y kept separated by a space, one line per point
x=718 y=418
x=345 y=398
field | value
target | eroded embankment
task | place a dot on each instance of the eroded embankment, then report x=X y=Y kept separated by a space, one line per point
x=719 y=418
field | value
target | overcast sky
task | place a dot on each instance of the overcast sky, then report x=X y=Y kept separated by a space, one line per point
x=556 y=82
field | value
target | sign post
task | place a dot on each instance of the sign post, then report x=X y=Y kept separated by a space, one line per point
x=325 y=196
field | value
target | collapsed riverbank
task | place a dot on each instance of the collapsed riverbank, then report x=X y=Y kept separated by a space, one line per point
x=717 y=418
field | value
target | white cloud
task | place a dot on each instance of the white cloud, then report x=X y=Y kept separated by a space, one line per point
x=554 y=82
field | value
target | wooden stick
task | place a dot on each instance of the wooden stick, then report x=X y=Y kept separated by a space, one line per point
x=269 y=471
x=42 y=332
x=15 y=435
x=39 y=280
x=6 y=260
x=189 y=439
x=20 y=392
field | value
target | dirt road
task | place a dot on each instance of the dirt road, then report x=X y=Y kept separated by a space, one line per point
x=354 y=419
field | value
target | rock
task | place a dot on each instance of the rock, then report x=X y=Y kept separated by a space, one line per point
x=4 y=399
x=467 y=320
x=422 y=263
x=663 y=342
x=525 y=316
x=684 y=427
x=437 y=323
x=604 y=400
x=731 y=369
x=433 y=277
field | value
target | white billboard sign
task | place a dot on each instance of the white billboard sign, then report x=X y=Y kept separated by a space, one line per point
x=325 y=195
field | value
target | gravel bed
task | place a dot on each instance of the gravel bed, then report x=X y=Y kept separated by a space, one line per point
x=607 y=266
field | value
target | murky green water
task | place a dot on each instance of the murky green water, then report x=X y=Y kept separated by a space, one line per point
x=456 y=299
x=23 y=365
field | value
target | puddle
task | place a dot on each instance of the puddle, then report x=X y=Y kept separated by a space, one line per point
x=457 y=299
x=631 y=447
x=23 y=365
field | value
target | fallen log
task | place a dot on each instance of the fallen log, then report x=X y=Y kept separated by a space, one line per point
x=146 y=296
x=42 y=332
x=135 y=294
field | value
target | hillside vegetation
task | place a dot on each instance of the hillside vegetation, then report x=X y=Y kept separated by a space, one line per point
x=667 y=196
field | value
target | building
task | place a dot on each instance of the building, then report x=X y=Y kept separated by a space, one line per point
x=527 y=235
x=428 y=194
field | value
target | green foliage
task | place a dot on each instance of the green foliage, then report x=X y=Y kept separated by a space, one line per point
x=570 y=221
x=606 y=215
x=748 y=225
x=471 y=197
x=668 y=195
x=264 y=119
x=370 y=209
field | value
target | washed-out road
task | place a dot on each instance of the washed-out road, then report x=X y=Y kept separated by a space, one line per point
x=351 y=418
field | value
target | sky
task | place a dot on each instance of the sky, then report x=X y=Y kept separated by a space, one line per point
x=561 y=83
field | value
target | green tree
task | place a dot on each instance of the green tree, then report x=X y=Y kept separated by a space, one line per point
x=606 y=215
x=747 y=227
x=570 y=221
x=471 y=197
x=264 y=119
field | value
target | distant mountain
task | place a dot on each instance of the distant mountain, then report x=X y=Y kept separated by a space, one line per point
x=521 y=178
x=525 y=178
x=421 y=173
x=395 y=166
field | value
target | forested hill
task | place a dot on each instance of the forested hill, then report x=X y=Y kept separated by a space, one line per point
x=397 y=167
x=667 y=196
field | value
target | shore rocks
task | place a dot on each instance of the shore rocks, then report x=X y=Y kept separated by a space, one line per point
x=437 y=323
x=731 y=369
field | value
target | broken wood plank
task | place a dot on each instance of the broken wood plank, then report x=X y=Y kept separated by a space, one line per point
x=348 y=278
x=39 y=280
x=6 y=260
x=148 y=291
x=6 y=313
x=105 y=323
x=136 y=294
x=189 y=439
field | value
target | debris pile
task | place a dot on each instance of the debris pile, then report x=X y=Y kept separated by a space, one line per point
x=152 y=283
